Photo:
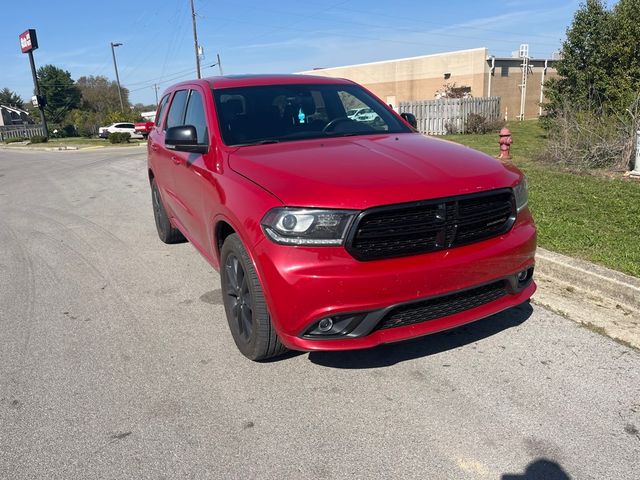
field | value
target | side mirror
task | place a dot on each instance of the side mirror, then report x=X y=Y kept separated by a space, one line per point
x=410 y=118
x=184 y=139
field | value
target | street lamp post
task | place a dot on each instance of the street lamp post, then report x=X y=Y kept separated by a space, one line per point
x=115 y=66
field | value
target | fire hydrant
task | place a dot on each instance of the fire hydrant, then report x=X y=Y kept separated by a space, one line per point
x=505 y=144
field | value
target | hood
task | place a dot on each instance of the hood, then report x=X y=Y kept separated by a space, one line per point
x=367 y=171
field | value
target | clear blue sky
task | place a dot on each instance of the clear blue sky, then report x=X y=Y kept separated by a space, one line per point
x=259 y=36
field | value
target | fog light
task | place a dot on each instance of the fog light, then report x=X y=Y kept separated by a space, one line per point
x=522 y=276
x=325 y=325
x=334 y=326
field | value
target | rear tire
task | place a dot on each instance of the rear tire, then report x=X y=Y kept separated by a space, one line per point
x=245 y=305
x=167 y=232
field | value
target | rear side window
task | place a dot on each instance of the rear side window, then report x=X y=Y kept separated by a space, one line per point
x=195 y=116
x=176 y=110
x=161 y=108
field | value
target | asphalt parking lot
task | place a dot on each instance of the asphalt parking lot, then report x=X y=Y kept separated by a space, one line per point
x=116 y=362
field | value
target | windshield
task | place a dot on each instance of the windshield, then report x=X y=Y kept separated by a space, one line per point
x=278 y=113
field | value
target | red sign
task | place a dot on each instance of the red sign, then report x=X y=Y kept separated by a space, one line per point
x=28 y=41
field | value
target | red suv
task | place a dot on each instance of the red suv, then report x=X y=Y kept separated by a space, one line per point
x=332 y=233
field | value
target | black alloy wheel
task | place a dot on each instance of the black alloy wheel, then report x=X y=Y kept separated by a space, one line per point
x=245 y=305
x=239 y=297
x=166 y=232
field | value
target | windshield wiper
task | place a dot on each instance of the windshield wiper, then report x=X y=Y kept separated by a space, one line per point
x=259 y=142
x=347 y=134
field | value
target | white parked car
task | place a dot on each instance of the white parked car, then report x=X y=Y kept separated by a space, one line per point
x=353 y=112
x=130 y=128
x=365 y=115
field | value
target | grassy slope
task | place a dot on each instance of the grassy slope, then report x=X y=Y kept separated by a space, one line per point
x=591 y=217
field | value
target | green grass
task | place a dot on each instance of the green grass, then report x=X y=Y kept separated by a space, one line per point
x=594 y=217
x=81 y=142
x=86 y=142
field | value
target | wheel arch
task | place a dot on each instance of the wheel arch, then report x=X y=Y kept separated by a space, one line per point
x=222 y=230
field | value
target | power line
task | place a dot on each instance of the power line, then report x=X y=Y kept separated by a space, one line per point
x=171 y=78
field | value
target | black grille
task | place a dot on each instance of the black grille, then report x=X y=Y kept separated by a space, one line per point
x=438 y=307
x=421 y=227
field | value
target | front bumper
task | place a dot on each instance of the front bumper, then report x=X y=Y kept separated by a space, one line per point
x=303 y=285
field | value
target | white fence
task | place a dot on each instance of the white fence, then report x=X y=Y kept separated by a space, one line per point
x=434 y=115
x=20 y=131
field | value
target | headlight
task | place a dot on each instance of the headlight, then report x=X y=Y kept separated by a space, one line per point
x=296 y=226
x=521 y=192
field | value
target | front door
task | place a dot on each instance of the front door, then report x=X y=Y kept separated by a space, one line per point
x=190 y=172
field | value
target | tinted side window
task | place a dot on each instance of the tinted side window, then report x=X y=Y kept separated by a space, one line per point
x=161 y=108
x=195 y=116
x=176 y=110
x=127 y=125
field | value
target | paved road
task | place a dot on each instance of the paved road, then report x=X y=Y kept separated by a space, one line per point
x=116 y=362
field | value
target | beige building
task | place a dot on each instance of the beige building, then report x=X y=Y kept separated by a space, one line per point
x=475 y=71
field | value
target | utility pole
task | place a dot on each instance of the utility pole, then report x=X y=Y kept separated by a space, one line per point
x=115 y=66
x=219 y=64
x=195 y=40
x=155 y=87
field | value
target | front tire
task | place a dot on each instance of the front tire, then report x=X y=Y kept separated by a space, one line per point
x=245 y=305
x=167 y=232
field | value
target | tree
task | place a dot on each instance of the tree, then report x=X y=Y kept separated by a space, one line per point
x=10 y=98
x=100 y=95
x=584 y=69
x=59 y=90
x=600 y=66
x=84 y=122
x=594 y=106
x=141 y=107
x=625 y=53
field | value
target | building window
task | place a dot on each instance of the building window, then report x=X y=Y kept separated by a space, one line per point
x=504 y=71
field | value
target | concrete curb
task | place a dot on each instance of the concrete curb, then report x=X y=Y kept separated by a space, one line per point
x=603 y=281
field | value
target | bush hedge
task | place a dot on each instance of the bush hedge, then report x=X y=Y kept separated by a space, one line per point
x=119 y=137
x=477 y=123
x=38 y=139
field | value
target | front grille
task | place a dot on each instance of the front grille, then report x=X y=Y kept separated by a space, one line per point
x=443 y=306
x=431 y=225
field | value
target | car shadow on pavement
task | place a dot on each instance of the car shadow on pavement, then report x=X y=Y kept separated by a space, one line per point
x=391 y=354
x=540 y=469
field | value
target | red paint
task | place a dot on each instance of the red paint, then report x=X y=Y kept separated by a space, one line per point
x=28 y=41
x=305 y=283
x=143 y=128
x=505 y=142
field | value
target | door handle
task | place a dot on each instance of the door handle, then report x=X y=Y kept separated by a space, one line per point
x=154 y=147
x=176 y=160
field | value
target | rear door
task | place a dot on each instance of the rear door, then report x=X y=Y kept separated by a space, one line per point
x=154 y=142
x=163 y=166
